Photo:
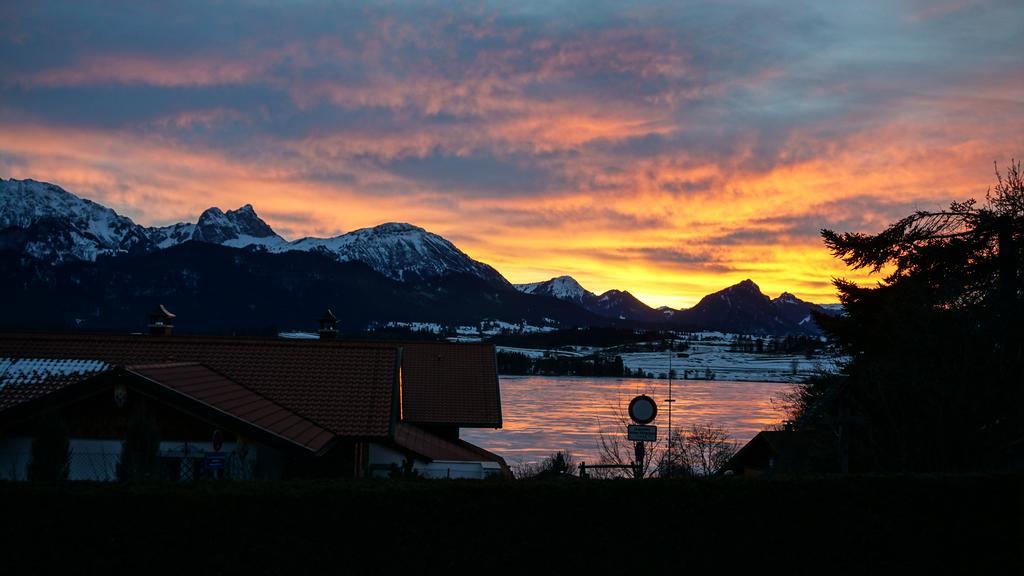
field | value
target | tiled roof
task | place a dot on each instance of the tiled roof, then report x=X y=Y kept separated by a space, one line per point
x=24 y=379
x=433 y=447
x=225 y=395
x=450 y=384
x=343 y=387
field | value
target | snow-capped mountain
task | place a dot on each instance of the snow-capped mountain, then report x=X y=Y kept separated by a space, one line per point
x=624 y=306
x=51 y=224
x=399 y=251
x=793 y=310
x=615 y=304
x=236 y=228
x=42 y=225
x=562 y=287
x=45 y=222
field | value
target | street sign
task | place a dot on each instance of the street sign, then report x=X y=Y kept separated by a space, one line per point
x=214 y=460
x=639 y=433
x=643 y=409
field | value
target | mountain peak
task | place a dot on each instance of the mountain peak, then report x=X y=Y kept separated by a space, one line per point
x=68 y=227
x=788 y=298
x=394 y=228
x=747 y=284
x=241 y=227
x=560 y=287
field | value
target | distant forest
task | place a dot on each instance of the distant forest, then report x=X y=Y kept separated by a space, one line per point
x=519 y=364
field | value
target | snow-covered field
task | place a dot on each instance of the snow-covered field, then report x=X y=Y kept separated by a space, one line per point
x=709 y=357
x=472 y=333
x=725 y=365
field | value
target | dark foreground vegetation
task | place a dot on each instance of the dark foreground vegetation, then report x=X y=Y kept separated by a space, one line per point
x=936 y=381
x=824 y=525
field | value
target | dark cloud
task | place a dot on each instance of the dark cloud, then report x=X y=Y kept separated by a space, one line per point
x=694 y=259
x=856 y=214
x=588 y=216
x=477 y=174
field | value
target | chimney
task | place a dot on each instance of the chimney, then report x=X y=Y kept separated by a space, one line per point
x=161 y=322
x=328 y=326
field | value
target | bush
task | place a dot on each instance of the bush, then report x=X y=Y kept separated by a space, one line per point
x=51 y=452
x=140 y=451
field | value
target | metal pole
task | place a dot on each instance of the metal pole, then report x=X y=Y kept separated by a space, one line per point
x=640 y=452
x=671 y=353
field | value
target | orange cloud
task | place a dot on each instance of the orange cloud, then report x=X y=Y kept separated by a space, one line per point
x=132 y=69
x=639 y=157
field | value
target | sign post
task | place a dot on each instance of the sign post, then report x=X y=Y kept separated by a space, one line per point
x=642 y=410
x=215 y=461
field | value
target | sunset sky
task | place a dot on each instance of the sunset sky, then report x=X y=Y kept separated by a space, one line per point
x=670 y=149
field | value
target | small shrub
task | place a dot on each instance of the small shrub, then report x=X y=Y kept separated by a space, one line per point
x=51 y=452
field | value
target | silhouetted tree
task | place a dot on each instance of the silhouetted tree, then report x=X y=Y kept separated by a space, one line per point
x=936 y=376
x=558 y=464
x=701 y=450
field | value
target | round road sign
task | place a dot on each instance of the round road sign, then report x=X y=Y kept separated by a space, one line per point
x=643 y=409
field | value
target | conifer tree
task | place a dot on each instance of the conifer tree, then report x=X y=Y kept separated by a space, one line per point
x=936 y=377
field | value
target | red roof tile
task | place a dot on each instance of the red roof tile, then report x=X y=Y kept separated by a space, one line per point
x=215 y=390
x=446 y=383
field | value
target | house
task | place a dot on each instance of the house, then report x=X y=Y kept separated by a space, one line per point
x=251 y=408
x=785 y=452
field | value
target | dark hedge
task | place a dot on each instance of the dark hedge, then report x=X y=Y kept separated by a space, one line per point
x=826 y=525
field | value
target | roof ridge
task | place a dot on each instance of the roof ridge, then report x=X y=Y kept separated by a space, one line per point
x=221 y=339
x=207 y=339
x=170 y=365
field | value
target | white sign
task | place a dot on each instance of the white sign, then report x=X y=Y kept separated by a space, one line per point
x=637 y=433
x=643 y=409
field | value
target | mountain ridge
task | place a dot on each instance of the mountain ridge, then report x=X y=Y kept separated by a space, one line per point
x=53 y=226
x=399 y=251
x=741 y=307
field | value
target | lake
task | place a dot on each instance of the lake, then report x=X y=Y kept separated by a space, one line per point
x=544 y=414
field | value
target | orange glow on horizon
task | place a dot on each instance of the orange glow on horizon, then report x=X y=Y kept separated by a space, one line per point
x=530 y=239
x=634 y=151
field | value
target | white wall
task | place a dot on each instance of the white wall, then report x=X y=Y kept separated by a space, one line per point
x=14 y=457
x=382 y=457
x=96 y=460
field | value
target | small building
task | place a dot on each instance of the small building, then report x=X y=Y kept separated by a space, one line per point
x=785 y=452
x=250 y=408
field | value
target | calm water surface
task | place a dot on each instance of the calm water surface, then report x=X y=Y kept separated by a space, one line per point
x=544 y=414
